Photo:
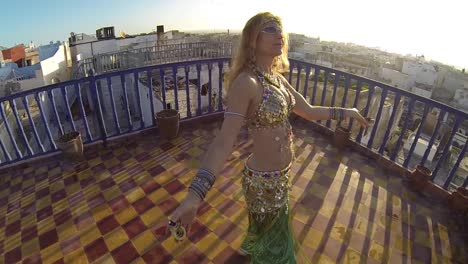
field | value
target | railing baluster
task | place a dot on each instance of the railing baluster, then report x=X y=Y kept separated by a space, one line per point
x=306 y=82
x=7 y=126
x=220 y=90
x=356 y=100
x=187 y=90
x=298 y=77
x=150 y=94
x=20 y=127
x=114 y=112
x=83 y=113
x=163 y=87
x=346 y=88
x=137 y=88
x=390 y=123
x=379 y=113
x=31 y=123
x=455 y=167
x=6 y=154
x=44 y=120
x=199 y=111
x=314 y=89
x=403 y=131
x=125 y=98
x=324 y=92
x=416 y=137
x=335 y=86
x=67 y=105
x=98 y=108
x=57 y=118
x=210 y=68
x=446 y=147
x=176 y=89
x=433 y=137
x=291 y=69
x=366 y=110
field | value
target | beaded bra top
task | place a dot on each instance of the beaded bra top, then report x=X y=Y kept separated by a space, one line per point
x=274 y=109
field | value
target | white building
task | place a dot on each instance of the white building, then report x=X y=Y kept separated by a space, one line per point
x=395 y=78
x=420 y=72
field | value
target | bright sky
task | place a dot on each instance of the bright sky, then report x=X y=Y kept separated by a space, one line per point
x=436 y=29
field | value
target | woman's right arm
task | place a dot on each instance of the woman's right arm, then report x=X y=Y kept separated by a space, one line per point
x=239 y=96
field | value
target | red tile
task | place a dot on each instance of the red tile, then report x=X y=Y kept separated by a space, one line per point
x=13 y=206
x=70 y=244
x=27 y=210
x=150 y=186
x=192 y=255
x=127 y=185
x=13 y=228
x=228 y=207
x=134 y=227
x=119 y=203
x=70 y=180
x=34 y=259
x=174 y=187
x=125 y=253
x=143 y=205
x=203 y=208
x=48 y=238
x=57 y=196
x=62 y=217
x=156 y=170
x=106 y=183
x=157 y=255
x=197 y=232
x=168 y=205
x=96 y=249
x=28 y=233
x=96 y=201
x=83 y=220
x=228 y=231
x=107 y=224
x=42 y=192
x=60 y=261
x=13 y=256
x=230 y=256
x=44 y=213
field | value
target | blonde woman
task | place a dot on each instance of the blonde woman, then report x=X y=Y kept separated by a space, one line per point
x=259 y=97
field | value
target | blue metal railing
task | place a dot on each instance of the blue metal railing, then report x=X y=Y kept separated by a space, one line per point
x=394 y=110
x=113 y=104
x=105 y=106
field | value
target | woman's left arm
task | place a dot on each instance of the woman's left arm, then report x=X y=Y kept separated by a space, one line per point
x=310 y=112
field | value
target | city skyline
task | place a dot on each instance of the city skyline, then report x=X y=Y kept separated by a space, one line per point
x=415 y=27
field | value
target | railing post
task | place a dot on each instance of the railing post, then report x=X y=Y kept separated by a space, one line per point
x=97 y=104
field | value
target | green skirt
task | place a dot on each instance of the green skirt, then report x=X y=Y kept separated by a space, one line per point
x=270 y=237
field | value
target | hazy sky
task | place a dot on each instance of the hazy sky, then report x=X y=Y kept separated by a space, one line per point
x=433 y=28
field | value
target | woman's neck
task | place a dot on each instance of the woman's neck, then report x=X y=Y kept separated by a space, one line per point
x=264 y=63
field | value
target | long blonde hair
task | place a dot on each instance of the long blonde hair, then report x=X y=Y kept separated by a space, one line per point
x=246 y=50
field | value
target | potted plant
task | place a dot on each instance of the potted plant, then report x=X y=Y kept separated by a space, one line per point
x=419 y=178
x=168 y=123
x=341 y=136
x=459 y=200
x=71 y=144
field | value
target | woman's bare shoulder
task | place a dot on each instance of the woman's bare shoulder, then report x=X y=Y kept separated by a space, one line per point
x=245 y=83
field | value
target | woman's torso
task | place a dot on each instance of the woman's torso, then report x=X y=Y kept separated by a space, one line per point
x=269 y=127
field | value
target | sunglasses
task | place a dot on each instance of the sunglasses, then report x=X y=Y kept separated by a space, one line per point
x=272 y=30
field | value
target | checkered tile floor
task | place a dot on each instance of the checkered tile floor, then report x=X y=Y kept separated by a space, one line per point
x=110 y=207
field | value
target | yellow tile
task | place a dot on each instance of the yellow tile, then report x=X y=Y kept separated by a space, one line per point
x=72 y=188
x=138 y=261
x=79 y=208
x=51 y=253
x=25 y=201
x=153 y=216
x=135 y=195
x=13 y=217
x=121 y=177
x=45 y=225
x=115 y=238
x=158 y=196
x=85 y=174
x=338 y=231
x=313 y=238
x=94 y=162
x=163 y=178
x=91 y=191
x=352 y=256
x=180 y=196
x=56 y=186
x=142 y=178
x=43 y=202
x=211 y=245
x=30 y=247
x=66 y=230
x=78 y=256
x=212 y=219
x=111 y=193
x=376 y=251
x=144 y=241
x=60 y=206
x=89 y=234
x=214 y=198
x=327 y=209
x=302 y=214
x=324 y=259
x=401 y=242
x=111 y=163
x=125 y=215
x=101 y=212
x=176 y=248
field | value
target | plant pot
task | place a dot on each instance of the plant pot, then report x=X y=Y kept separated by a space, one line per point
x=458 y=200
x=168 y=123
x=419 y=178
x=341 y=137
x=71 y=145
